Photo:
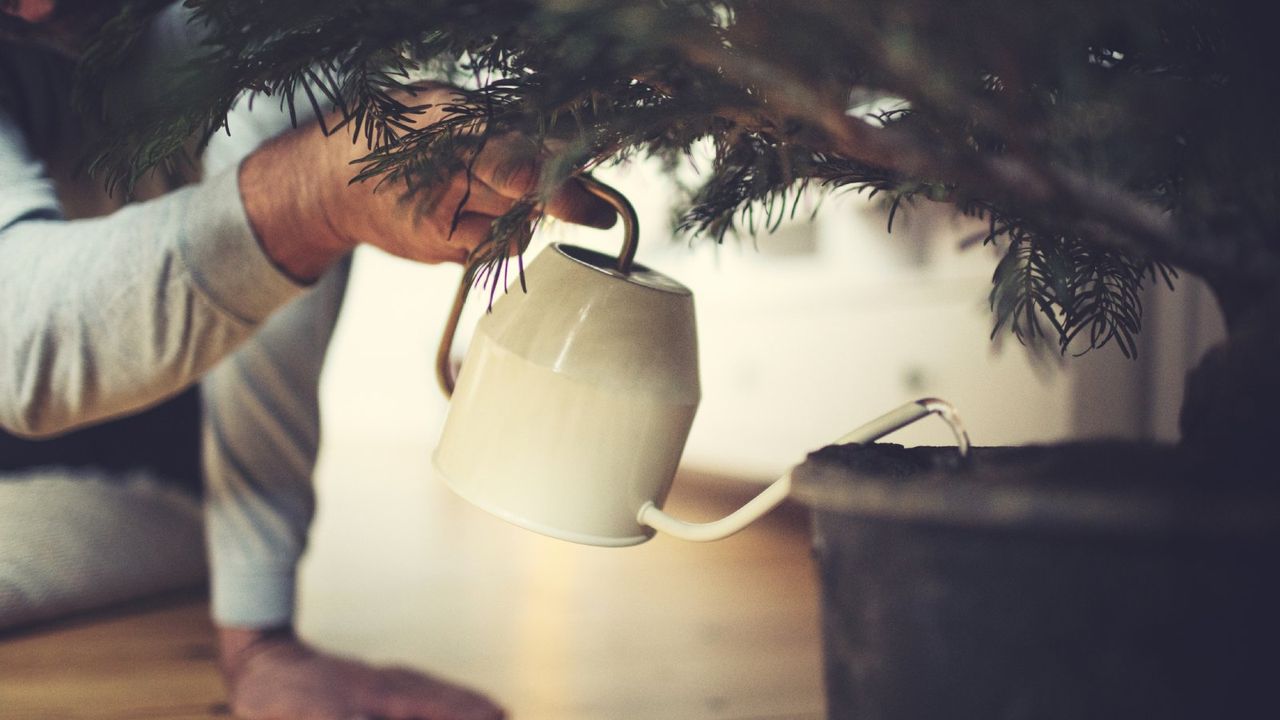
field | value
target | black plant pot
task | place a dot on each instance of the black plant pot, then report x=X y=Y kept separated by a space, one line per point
x=1084 y=582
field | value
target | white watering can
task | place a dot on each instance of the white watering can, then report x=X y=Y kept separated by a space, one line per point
x=572 y=408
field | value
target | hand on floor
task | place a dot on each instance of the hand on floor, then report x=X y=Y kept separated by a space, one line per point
x=271 y=675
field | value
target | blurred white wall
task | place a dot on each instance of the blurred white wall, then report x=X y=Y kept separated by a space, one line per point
x=804 y=335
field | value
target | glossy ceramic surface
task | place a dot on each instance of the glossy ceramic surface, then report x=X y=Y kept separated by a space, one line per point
x=573 y=406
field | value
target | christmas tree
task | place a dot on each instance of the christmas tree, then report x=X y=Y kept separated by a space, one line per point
x=1108 y=146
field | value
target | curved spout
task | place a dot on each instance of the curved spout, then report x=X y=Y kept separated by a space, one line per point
x=769 y=498
x=739 y=519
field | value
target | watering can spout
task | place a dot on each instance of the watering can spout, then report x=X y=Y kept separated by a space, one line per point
x=651 y=515
x=769 y=498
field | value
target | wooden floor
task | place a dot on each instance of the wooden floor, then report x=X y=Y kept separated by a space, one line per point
x=149 y=660
x=401 y=571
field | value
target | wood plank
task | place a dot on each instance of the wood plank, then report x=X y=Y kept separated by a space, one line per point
x=144 y=660
x=409 y=574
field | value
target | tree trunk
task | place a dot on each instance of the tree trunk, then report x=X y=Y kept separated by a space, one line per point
x=1231 y=415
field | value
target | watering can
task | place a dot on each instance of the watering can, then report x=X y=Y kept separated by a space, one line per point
x=572 y=408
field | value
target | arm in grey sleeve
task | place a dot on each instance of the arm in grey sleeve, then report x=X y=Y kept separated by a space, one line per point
x=106 y=316
x=261 y=430
x=261 y=438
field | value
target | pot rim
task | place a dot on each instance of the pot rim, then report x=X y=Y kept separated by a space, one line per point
x=988 y=492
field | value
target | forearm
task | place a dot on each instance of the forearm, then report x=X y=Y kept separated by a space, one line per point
x=113 y=314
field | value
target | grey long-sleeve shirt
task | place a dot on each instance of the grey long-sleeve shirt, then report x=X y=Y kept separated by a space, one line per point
x=104 y=316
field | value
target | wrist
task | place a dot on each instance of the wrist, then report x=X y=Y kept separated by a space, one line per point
x=286 y=187
x=236 y=645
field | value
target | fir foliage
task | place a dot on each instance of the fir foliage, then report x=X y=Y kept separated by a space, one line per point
x=1105 y=142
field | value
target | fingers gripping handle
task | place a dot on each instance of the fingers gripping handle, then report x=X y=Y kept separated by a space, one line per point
x=650 y=515
x=631 y=227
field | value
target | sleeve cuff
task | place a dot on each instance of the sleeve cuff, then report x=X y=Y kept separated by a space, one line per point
x=224 y=257
x=252 y=598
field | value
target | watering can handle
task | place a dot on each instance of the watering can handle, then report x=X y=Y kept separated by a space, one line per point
x=769 y=498
x=630 y=225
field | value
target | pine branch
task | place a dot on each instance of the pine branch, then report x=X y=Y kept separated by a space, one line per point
x=1106 y=141
x=1113 y=215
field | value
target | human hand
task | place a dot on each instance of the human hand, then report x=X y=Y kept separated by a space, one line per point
x=271 y=675
x=306 y=212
